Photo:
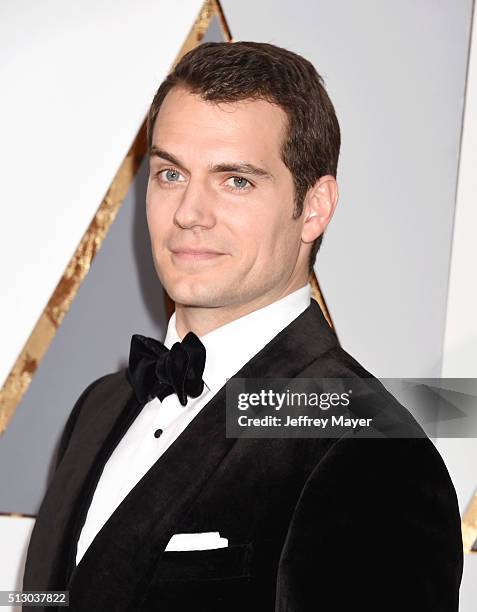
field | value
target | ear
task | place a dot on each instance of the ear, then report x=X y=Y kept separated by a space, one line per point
x=318 y=207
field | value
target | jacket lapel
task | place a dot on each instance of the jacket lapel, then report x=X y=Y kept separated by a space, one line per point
x=137 y=532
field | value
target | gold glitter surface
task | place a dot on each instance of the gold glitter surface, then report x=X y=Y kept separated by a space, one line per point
x=316 y=293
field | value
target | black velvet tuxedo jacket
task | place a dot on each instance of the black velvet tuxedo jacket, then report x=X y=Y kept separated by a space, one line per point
x=313 y=524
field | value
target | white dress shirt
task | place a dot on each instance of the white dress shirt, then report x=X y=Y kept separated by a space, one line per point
x=228 y=348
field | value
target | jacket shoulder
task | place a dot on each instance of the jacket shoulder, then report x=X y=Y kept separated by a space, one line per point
x=371 y=398
x=98 y=389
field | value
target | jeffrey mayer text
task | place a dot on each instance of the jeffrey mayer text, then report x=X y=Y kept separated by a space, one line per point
x=336 y=421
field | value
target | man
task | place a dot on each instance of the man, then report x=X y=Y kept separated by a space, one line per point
x=244 y=145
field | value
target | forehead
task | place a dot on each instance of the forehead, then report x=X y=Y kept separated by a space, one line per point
x=248 y=127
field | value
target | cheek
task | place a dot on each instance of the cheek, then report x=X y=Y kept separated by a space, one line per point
x=246 y=235
x=259 y=229
x=259 y=243
x=269 y=232
x=278 y=243
x=157 y=218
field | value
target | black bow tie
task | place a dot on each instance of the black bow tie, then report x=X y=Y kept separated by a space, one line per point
x=154 y=370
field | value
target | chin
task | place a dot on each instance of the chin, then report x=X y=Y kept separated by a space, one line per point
x=190 y=293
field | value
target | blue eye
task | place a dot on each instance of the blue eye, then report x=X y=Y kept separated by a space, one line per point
x=169 y=172
x=168 y=176
x=242 y=181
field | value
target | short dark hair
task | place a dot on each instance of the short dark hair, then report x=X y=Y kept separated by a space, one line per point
x=232 y=72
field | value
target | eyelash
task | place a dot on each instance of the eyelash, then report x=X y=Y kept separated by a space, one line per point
x=234 y=189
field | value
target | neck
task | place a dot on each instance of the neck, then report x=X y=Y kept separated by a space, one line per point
x=201 y=320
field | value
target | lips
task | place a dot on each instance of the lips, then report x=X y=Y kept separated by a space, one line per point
x=185 y=251
x=195 y=255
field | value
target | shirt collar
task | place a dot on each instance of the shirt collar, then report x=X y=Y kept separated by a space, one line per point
x=231 y=346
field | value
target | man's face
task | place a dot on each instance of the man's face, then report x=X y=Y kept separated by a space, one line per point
x=240 y=222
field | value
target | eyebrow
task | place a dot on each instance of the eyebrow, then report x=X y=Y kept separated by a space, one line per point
x=242 y=167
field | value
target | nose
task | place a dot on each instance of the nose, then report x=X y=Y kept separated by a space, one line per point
x=195 y=208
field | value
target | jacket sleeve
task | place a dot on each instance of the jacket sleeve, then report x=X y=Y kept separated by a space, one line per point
x=376 y=527
x=72 y=419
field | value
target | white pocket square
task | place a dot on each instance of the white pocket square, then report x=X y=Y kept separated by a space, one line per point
x=197 y=541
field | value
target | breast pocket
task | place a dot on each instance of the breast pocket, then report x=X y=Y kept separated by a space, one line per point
x=232 y=561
